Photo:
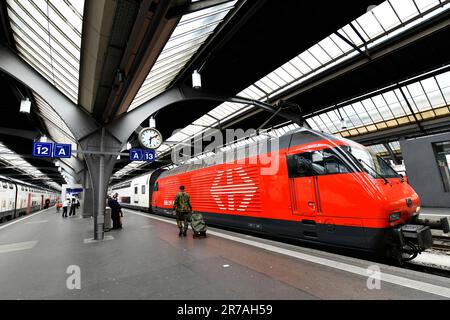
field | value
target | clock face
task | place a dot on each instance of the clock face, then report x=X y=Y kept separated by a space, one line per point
x=150 y=138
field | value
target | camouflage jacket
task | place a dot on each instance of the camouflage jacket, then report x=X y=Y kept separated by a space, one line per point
x=182 y=202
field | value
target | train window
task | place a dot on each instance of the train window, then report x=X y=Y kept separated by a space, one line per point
x=300 y=165
x=4 y=185
x=315 y=163
x=22 y=189
x=11 y=186
x=135 y=190
x=143 y=189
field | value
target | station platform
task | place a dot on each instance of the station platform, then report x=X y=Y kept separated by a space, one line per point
x=147 y=260
x=434 y=213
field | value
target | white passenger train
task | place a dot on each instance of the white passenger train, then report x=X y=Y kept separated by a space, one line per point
x=137 y=192
x=19 y=198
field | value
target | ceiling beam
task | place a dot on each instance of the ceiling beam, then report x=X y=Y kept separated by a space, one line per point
x=148 y=37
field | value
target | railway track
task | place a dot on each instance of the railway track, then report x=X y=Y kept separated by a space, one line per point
x=441 y=243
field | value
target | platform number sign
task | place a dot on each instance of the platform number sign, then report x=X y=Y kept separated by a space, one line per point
x=149 y=155
x=142 y=155
x=135 y=154
x=42 y=149
x=62 y=150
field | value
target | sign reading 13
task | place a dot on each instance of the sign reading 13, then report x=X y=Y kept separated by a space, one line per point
x=150 y=138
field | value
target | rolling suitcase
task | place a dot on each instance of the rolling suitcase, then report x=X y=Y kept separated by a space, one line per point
x=198 y=225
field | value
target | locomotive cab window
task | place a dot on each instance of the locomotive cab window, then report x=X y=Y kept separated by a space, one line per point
x=143 y=190
x=315 y=163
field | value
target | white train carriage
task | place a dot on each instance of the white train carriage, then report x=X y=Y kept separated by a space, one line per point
x=136 y=193
x=19 y=198
x=7 y=199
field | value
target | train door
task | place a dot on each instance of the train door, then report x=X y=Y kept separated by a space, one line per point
x=303 y=185
x=28 y=210
x=135 y=195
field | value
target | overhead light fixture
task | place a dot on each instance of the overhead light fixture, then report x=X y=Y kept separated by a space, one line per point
x=371 y=7
x=25 y=105
x=59 y=169
x=118 y=157
x=57 y=163
x=43 y=138
x=152 y=122
x=343 y=123
x=128 y=146
x=196 y=80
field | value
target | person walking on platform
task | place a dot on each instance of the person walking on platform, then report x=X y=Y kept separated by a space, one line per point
x=66 y=204
x=116 y=211
x=182 y=206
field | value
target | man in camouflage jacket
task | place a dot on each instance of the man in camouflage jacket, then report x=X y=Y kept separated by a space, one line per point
x=182 y=206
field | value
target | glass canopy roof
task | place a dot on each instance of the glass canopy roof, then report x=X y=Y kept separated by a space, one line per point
x=377 y=25
x=58 y=130
x=421 y=100
x=47 y=34
x=428 y=97
x=17 y=162
x=191 y=32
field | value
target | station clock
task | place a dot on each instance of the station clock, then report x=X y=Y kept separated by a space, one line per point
x=150 y=138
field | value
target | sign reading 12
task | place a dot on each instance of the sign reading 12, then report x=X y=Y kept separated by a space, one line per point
x=42 y=149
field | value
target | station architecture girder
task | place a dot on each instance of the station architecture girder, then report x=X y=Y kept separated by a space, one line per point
x=100 y=143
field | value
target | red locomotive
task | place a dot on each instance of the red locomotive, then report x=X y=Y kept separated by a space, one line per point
x=309 y=186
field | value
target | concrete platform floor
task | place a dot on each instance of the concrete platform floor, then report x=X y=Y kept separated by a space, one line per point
x=147 y=260
x=434 y=213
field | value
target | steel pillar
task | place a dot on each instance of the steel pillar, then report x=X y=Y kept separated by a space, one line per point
x=100 y=168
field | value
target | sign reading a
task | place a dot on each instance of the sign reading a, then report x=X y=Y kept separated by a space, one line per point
x=135 y=154
x=62 y=150
x=42 y=149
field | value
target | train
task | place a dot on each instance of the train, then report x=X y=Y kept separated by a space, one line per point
x=18 y=198
x=323 y=189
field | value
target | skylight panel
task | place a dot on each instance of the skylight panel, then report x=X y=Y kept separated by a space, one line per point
x=370 y=25
x=48 y=37
x=386 y=15
x=292 y=70
x=309 y=60
x=283 y=75
x=405 y=9
x=351 y=35
x=319 y=54
x=330 y=47
x=423 y=5
x=301 y=65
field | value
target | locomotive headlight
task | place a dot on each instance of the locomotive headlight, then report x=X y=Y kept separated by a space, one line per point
x=418 y=209
x=394 y=216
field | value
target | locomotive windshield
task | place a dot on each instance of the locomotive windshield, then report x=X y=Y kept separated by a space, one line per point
x=371 y=163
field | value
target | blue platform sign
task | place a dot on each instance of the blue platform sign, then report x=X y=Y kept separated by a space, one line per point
x=62 y=150
x=149 y=155
x=135 y=154
x=42 y=149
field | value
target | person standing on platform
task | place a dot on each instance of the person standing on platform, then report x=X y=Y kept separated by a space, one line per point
x=73 y=206
x=182 y=206
x=116 y=211
x=65 y=205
